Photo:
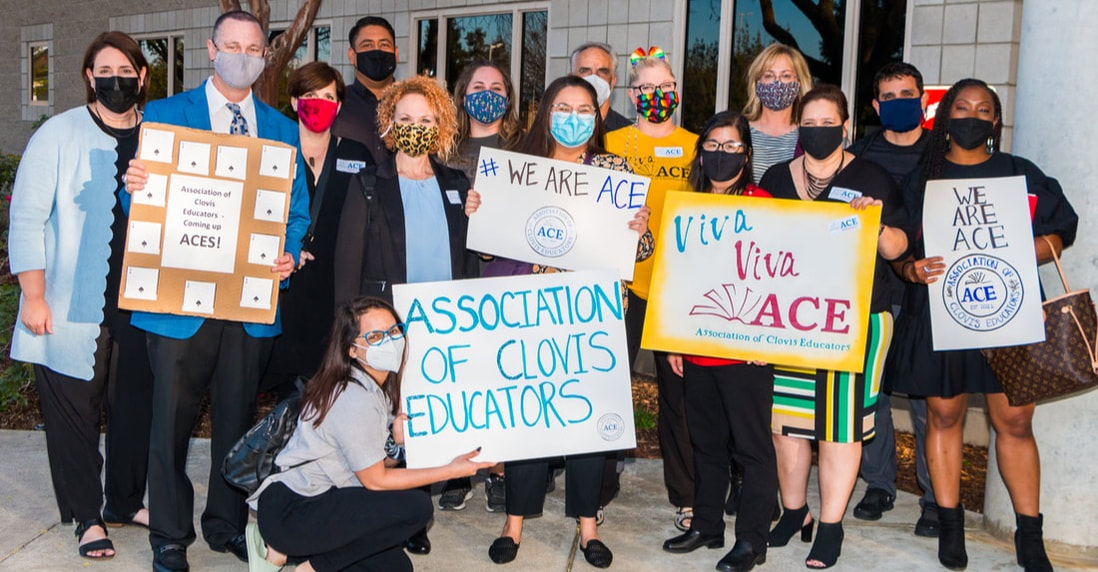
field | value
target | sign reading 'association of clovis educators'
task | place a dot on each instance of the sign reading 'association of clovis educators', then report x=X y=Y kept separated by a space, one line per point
x=556 y=213
x=522 y=366
x=780 y=281
x=989 y=295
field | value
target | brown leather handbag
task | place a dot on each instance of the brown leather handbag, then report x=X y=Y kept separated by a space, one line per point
x=1063 y=364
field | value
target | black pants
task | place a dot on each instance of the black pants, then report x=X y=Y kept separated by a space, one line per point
x=224 y=359
x=678 y=455
x=732 y=403
x=525 y=485
x=71 y=408
x=350 y=528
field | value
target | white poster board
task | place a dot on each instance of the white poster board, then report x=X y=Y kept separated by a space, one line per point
x=543 y=211
x=989 y=295
x=522 y=366
x=732 y=281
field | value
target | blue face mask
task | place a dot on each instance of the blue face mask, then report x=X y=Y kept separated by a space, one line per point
x=571 y=130
x=901 y=115
x=485 y=106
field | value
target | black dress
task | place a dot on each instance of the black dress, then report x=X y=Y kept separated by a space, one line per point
x=913 y=366
x=811 y=403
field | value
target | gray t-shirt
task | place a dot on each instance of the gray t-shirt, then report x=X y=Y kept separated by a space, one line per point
x=351 y=438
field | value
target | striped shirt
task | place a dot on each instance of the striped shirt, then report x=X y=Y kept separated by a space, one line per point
x=769 y=150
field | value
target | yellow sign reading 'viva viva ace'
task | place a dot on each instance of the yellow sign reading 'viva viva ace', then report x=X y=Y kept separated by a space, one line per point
x=779 y=281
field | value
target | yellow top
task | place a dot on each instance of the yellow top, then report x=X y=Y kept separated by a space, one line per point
x=666 y=161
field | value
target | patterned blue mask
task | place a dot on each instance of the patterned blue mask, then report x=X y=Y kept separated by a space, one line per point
x=571 y=129
x=485 y=106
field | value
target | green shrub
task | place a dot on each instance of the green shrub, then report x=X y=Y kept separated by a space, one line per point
x=643 y=419
x=15 y=377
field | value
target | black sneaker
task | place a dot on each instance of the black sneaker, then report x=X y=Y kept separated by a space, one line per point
x=495 y=495
x=927 y=524
x=455 y=494
x=874 y=504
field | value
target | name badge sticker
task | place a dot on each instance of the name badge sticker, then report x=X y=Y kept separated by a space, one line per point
x=453 y=196
x=349 y=166
x=668 y=152
x=843 y=194
x=851 y=222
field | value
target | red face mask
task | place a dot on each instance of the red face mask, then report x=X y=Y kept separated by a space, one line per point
x=316 y=114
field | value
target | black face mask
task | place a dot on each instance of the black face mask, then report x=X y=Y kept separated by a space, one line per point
x=821 y=142
x=720 y=166
x=117 y=93
x=376 y=64
x=970 y=132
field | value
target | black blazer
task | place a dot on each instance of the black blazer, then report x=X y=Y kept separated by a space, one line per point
x=381 y=259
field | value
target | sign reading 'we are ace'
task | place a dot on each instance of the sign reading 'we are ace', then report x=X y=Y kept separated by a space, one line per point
x=569 y=215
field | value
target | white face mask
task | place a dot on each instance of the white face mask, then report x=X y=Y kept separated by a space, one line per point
x=238 y=71
x=601 y=87
x=386 y=356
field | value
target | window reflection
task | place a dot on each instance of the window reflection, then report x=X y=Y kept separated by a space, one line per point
x=165 y=58
x=534 y=29
x=477 y=37
x=703 y=19
x=880 y=41
x=428 y=47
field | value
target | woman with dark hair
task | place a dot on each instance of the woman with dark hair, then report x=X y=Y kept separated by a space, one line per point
x=339 y=501
x=964 y=145
x=308 y=304
x=567 y=127
x=826 y=172
x=66 y=242
x=486 y=117
x=728 y=402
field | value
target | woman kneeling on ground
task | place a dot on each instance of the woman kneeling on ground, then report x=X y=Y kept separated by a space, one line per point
x=339 y=501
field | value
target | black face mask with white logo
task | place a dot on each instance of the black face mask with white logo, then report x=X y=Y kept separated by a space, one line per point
x=117 y=93
x=376 y=64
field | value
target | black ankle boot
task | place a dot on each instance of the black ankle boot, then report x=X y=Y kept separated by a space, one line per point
x=1029 y=543
x=951 y=538
x=792 y=520
x=828 y=546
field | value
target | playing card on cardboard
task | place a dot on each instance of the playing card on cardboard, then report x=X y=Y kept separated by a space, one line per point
x=198 y=297
x=194 y=158
x=275 y=162
x=155 y=191
x=256 y=293
x=157 y=145
x=144 y=237
x=270 y=206
x=263 y=249
x=232 y=162
x=141 y=283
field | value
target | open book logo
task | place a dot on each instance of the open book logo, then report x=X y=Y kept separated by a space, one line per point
x=732 y=302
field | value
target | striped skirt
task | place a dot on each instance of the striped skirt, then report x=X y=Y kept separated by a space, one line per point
x=836 y=406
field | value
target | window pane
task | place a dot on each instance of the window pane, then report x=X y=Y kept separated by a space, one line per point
x=533 y=64
x=177 y=85
x=703 y=20
x=473 y=37
x=817 y=34
x=324 y=44
x=301 y=56
x=156 y=52
x=881 y=41
x=428 y=48
x=40 y=74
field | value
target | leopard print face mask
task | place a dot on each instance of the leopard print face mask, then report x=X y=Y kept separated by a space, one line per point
x=414 y=139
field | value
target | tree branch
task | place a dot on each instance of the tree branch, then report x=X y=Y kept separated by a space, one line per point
x=228 y=5
x=282 y=49
x=261 y=9
x=777 y=32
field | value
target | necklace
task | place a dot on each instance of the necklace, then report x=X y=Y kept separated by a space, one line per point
x=814 y=185
x=121 y=133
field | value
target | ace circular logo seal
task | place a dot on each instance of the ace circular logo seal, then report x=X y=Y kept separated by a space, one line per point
x=551 y=231
x=611 y=427
x=981 y=292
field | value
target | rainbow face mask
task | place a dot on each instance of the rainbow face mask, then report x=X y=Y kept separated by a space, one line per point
x=657 y=107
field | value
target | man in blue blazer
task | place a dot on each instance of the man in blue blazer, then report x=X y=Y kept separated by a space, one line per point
x=190 y=354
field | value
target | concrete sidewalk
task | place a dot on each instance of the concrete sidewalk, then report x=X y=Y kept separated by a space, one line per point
x=637 y=523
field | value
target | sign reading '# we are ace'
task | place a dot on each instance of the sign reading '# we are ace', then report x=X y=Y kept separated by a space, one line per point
x=556 y=213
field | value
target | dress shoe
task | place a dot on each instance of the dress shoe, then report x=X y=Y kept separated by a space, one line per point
x=237 y=546
x=874 y=504
x=418 y=543
x=170 y=558
x=692 y=540
x=741 y=558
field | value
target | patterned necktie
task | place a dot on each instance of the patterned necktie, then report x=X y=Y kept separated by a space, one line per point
x=240 y=125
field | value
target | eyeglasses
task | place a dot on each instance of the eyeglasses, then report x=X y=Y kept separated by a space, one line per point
x=728 y=146
x=375 y=337
x=584 y=110
x=648 y=88
x=235 y=48
x=785 y=77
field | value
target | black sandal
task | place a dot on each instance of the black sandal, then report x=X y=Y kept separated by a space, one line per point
x=115 y=521
x=597 y=554
x=95 y=545
x=828 y=545
x=503 y=550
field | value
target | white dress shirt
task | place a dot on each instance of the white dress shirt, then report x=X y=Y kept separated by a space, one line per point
x=221 y=117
